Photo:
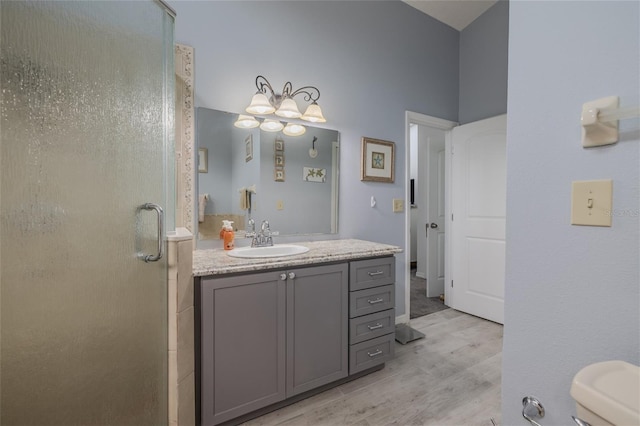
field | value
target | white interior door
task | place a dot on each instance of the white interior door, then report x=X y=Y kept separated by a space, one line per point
x=435 y=216
x=421 y=192
x=478 y=218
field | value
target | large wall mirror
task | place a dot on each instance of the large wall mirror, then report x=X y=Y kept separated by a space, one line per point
x=291 y=181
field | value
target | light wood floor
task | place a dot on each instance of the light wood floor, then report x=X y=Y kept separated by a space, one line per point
x=451 y=377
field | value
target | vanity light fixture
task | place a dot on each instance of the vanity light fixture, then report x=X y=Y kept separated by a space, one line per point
x=292 y=129
x=283 y=104
x=246 y=122
x=269 y=125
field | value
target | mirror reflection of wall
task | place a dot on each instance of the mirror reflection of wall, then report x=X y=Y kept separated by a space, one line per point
x=299 y=203
x=228 y=171
x=294 y=177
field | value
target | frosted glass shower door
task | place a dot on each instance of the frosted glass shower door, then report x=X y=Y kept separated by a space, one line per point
x=86 y=139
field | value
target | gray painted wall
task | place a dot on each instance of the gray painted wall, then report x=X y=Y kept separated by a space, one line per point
x=483 y=65
x=572 y=293
x=371 y=60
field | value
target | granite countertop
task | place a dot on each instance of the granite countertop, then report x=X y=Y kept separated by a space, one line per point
x=217 y=262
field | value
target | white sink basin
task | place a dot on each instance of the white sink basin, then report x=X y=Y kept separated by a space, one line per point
x=278 y=250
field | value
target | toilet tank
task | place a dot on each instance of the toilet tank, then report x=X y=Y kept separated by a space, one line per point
x=608 y=393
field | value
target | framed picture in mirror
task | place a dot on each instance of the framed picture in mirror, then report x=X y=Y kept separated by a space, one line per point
x=279 y=175
x=203 y=160
x=279 y=159
x=248 y=143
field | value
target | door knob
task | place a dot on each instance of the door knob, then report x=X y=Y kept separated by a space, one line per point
x=433 y=225
x=292 y=275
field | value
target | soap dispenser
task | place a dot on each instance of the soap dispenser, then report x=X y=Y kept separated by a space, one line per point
x=227 y=235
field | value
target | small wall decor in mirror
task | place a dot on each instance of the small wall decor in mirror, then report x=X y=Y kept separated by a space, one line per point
x=203 y=160
x=250 y=178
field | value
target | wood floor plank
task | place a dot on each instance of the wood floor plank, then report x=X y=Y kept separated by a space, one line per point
x=450 y=377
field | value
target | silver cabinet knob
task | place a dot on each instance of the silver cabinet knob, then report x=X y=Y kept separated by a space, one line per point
x=283 y=276
x=292 y=275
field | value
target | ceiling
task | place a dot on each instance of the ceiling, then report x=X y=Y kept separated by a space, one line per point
x=455 y=13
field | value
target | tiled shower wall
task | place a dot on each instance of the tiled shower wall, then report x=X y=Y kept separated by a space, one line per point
x=181 y=334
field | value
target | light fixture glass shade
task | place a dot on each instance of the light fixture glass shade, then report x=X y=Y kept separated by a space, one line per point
x=292 y=129
x=260 y=105
x=246 y=122
x=269 y=125
x=289 y=109
x=314 y=114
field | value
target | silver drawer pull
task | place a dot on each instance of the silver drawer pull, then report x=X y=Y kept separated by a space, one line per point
x=375 y=327
x=376 y=353
x=373 y=302
x=373 y=274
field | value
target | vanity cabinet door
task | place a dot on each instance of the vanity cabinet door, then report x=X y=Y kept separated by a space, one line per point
x=243 y=331
x=317 y=327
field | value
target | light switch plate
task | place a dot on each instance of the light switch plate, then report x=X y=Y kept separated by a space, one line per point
x=398 y=205
x=279 y=205
x=591 y=202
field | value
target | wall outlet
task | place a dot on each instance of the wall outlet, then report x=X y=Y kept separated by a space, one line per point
x=398 y=205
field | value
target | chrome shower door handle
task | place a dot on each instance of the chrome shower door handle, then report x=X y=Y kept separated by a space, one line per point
x=158 y=209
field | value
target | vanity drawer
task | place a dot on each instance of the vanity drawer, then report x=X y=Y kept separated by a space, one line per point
x=372 y=273
x=371 y=353
x=372 y=325
x=363 y=302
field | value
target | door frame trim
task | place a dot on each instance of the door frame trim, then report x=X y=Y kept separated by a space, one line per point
x=440 y=124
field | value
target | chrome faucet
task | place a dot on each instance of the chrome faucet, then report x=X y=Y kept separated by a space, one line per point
x=265 y=227
x=263 y=238
x=251 y=229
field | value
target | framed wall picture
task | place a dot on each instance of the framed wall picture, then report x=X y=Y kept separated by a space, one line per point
x=203 y=160
x=248 y=143
x=378 y=159
x=279 y=175
x=279 y=145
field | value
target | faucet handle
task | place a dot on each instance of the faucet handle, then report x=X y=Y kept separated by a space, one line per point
x=265 y=226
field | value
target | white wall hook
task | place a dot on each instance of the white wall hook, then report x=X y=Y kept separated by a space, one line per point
x=373 y=201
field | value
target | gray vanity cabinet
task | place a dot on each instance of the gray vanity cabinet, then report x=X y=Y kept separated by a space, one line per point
x=243 y=344
x=317 y=327
x=371 y=313
x=269 y=336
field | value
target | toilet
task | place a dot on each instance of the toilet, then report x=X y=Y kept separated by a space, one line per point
x=608 y=394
